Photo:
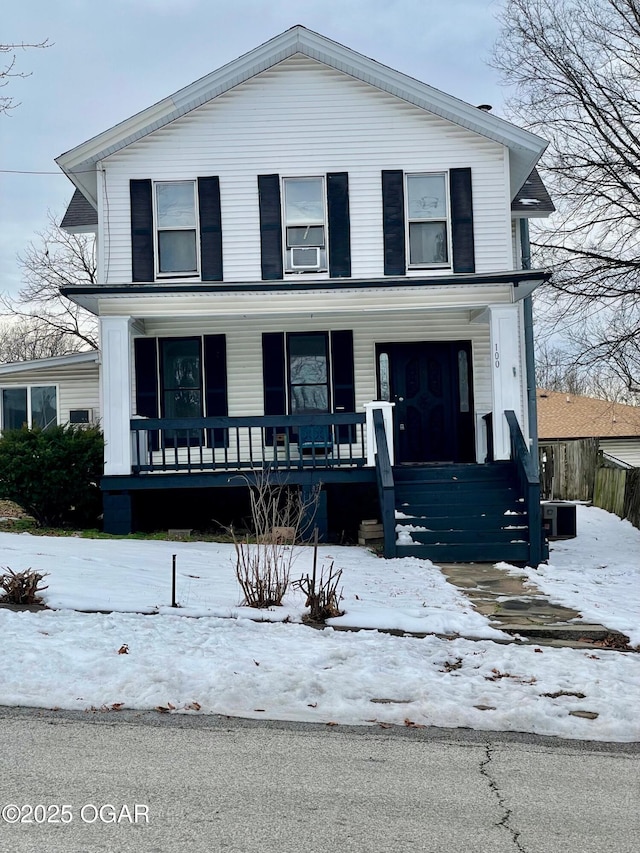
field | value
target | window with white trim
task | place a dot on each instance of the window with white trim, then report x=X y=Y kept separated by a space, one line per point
x=176 y=228
x=305 y=225
x=428 y=220
x=32 y=406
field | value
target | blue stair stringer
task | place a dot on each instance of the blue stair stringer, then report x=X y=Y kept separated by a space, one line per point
x=451 y=513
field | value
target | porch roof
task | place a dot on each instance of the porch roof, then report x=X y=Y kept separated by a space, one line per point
x=522 y=281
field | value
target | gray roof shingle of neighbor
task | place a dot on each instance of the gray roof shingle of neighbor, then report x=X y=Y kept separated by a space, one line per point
x=79 y=212
x=532 y=197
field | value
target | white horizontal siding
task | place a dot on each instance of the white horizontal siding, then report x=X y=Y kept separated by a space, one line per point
x=308 y=122
x=244 y=348
x=77 y=386
x=625 y=449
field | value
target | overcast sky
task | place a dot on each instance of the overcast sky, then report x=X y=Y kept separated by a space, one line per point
x=112 y=58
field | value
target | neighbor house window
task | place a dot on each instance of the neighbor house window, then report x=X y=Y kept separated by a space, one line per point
x=427 y=216
x=33 y=406
x=305 y=228
x=176 y=229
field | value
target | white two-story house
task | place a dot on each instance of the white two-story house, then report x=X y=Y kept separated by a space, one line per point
x=314 y=265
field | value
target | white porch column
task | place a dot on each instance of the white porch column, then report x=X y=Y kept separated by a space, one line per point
x=115 y=393
x=506 y=373
x=387 y=414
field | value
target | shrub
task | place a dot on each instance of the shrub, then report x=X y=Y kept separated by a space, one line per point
x=279 y=517
x=323 y=598
x=53 y=474
x=21 y=587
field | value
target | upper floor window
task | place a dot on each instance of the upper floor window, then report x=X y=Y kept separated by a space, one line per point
x=427 y=217
x=176 y=228
x=305 y=227
x=33 y=406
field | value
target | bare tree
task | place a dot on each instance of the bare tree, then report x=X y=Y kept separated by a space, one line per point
x=27 y=340
x=8 y=69
x=556 y=370
x=575 y=69
x=573 y=368
x=57 y=259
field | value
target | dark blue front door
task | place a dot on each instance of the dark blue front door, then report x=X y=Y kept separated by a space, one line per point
x=430 y=384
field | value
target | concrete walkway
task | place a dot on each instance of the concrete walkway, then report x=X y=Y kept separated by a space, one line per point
x=515 y=605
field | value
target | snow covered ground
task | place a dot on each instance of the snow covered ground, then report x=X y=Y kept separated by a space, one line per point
x=228 y=663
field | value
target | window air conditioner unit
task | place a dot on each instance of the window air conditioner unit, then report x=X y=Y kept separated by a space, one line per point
x=305 y=257
x=81 y=416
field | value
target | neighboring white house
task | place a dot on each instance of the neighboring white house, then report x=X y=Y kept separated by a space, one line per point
x=288 y=240
x=59 y=390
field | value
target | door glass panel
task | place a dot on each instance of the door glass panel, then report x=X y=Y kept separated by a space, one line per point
x=14 y=408
x=43 y=406
x=385 y=385
x=463 y=379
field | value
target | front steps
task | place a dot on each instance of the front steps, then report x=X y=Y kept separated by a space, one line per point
x=460 y=513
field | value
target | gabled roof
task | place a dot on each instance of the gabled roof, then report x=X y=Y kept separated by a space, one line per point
x=80 y=216
x=525 y=147
x=567 y=416
x=54 y=361
x=532 y=199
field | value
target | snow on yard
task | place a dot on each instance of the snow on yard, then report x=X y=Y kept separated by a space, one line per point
x=285 y=670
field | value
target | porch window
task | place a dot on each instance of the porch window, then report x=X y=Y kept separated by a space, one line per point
x=427 y=216
x=32 y=406
x=176 y=228
x=304 y=213
x=181 y=374
x=181 y=378
x=308 y=373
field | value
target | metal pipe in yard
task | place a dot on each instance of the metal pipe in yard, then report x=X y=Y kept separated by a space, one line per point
x=173 y=582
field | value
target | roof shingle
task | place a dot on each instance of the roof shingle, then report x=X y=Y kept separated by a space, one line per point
x=79 y=213
x=570 y=416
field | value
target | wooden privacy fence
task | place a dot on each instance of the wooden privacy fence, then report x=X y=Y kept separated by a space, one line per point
x=577 y=471
x=568 y=469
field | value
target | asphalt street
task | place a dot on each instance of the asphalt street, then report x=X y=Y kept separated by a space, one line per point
x=150 y=782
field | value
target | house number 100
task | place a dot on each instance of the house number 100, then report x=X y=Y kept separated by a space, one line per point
x=496 y=357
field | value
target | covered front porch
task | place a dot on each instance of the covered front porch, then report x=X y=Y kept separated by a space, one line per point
x=202 y=388
x=450 y=511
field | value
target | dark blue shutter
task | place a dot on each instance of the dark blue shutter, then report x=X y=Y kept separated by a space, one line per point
x=270 y=227
x=343 y=385
x=393 y=222
x=146 y=373
x=146 y=370
x=142 y=268
x=215 y=377
x=462 y=220
x=273 y=377
x=339 y=226
x=210 y=228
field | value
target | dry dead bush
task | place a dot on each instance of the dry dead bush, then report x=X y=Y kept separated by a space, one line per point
x=21 y=587
x=323 y=598
x=280 y=519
